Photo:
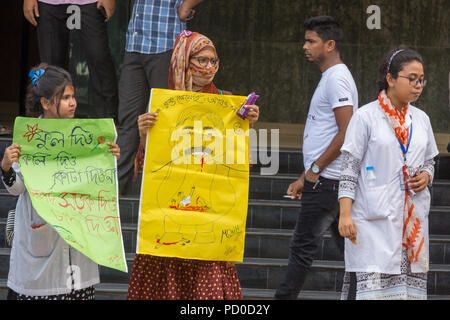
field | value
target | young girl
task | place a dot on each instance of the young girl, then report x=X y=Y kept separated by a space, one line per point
x=193 y=67
x=384 y=200
x=42 y=265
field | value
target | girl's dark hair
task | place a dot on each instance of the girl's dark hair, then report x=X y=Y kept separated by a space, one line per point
x=50 y=86
x=393 y=63
x=327 y=28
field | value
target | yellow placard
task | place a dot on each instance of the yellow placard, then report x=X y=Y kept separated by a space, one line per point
x=194 y=195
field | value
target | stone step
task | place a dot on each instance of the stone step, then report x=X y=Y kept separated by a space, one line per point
x=275 y=187
x=274 y=243
x=7 y=202
x=118 y=291
x=259 y=273
x=282 y=214
x=440 y=193
x=270 y=214
x=442 y=167
x=263 y=273
x=261 y=213
x=290 y=161
x=268 y=294
x=325 y=275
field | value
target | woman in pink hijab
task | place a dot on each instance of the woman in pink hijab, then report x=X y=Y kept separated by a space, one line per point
x=193 y=66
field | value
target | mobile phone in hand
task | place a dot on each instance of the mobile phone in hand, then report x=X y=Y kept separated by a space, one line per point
x=251 y=99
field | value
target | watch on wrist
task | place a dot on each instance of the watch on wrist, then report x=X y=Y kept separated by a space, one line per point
x=315 y=168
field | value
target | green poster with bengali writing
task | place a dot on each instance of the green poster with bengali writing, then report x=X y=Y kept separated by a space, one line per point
x=72 y=181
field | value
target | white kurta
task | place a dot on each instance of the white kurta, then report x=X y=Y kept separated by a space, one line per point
x=378 y=210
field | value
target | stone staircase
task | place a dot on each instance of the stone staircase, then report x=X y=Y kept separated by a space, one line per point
x=270 y=224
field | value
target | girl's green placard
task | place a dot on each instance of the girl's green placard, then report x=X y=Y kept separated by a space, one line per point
x=72 y=181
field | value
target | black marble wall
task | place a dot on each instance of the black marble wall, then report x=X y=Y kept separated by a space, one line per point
x=260 y=47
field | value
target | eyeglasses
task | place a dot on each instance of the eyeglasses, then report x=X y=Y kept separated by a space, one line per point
x=414 y=81
x=204 y=61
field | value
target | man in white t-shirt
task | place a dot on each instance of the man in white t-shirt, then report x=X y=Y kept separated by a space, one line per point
x=332 y=105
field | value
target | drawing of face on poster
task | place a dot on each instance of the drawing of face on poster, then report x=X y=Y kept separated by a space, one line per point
x=198 y=137
x=194 y=196
x=198 y=143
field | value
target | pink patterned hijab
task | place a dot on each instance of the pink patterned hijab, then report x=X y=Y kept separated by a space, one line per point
x=187 y=45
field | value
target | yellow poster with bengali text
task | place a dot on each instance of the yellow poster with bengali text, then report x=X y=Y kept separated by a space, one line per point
x=194 y=194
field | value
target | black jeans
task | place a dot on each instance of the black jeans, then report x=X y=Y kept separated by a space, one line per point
x=53 y=39
x=319 y=212
x=140 y=73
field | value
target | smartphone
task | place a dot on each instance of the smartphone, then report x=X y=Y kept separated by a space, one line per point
x=251 y=99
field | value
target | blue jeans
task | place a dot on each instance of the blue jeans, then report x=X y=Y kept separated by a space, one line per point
x=319 y=212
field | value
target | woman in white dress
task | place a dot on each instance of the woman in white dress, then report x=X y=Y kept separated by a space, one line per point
x=384 y=200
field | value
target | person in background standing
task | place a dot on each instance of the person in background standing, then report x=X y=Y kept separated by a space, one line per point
x=50 y=17
x=332 y=106
x=151 y=34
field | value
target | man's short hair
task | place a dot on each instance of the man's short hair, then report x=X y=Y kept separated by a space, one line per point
x=327 y=28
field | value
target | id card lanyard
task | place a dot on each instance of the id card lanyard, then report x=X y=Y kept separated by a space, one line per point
x=404 y=173
x=405 y=151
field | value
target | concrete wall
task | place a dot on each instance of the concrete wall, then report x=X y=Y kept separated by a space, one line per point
x=259 y=43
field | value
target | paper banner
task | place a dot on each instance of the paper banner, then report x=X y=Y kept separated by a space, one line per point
x=72 y=181
x=194 y=195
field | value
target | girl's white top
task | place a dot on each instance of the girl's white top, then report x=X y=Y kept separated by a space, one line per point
x=41 y=262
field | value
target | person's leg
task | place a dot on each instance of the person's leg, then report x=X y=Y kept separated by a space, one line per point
x=53 y=34
x=317 y=214
x=133 y=100
x=334 y=229
x=157 y=70
x=102 y=72
x=352 y=286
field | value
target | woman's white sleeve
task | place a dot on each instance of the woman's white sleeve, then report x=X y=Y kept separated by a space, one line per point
x=356 y=136
x=429 y=167
x=431 y=152
x=350 y=169
x=353 y=151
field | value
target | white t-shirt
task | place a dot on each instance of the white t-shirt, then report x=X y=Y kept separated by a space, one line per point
x=336 y=89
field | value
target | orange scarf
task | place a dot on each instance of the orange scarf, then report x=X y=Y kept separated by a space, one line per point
x=413 y=236
x=188 y=44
